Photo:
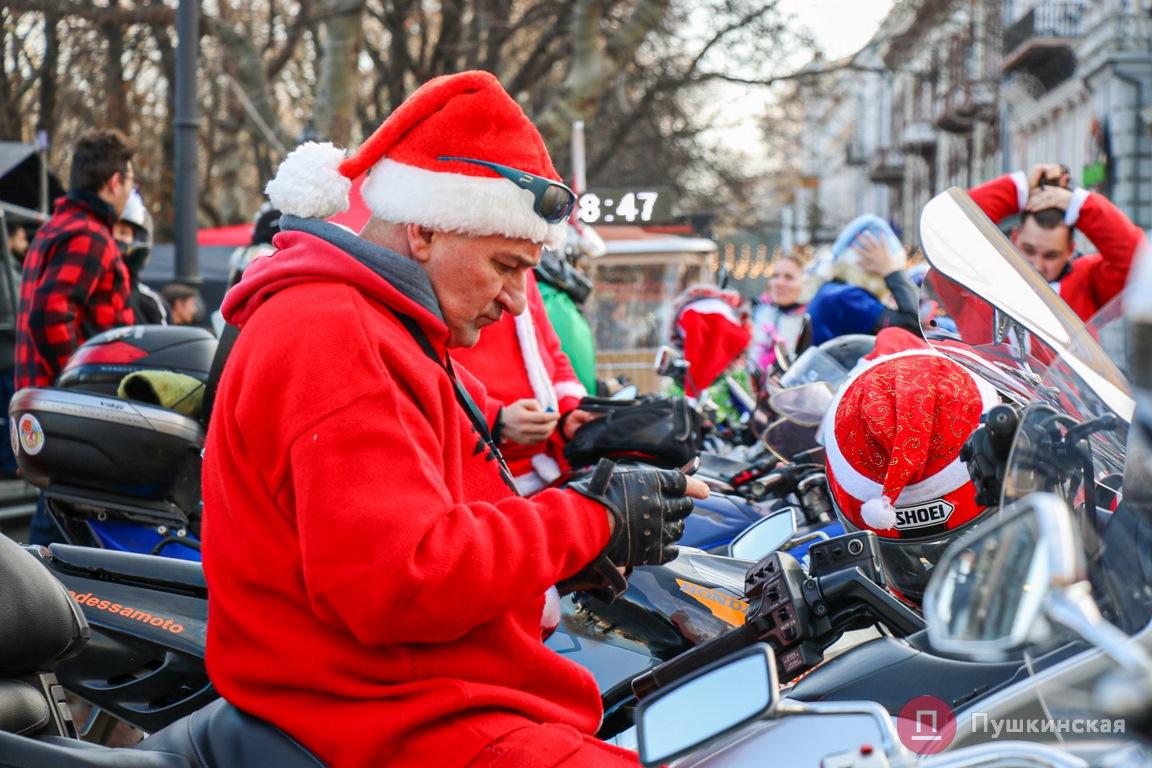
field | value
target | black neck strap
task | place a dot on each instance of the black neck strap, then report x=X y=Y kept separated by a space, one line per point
x=475 y=415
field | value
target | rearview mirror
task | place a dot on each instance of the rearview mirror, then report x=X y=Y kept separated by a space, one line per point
x=666 y=358
x=764 y=536
x=717 y=700
x=989 y=591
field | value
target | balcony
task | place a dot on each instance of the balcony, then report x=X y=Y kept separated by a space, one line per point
x=964 y=105
x=919 y=137
x=1040 y=43
x=886 y=166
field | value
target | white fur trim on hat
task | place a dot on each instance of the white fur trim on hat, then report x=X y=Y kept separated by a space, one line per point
x=454 y=202
x=948 y=479
x=879 y=513
x=309 y=183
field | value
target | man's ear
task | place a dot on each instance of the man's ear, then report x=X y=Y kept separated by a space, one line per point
x=419 y=242
x=1014 y=234
x=114 y=181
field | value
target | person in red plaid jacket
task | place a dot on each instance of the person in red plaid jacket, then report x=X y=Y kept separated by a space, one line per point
x=74 y=284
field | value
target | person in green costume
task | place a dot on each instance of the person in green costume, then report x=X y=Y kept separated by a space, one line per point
x=565 y=288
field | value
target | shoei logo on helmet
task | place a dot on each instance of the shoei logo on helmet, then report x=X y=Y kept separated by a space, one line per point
x=934 y=512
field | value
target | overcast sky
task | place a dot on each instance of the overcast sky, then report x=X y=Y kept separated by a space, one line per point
x=841 y=27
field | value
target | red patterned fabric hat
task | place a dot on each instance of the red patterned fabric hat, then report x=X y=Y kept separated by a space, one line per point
x=893 y=445
x=465 y=115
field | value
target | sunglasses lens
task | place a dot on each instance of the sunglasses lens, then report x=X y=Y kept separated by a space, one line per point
x=556 y=204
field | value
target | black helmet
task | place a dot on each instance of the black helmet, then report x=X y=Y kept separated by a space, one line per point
x=555 y=270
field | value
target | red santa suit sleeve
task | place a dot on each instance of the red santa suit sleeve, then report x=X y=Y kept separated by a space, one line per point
x=1114 y=236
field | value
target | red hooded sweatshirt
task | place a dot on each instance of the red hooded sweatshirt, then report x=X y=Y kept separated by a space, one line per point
x=375 y=587
x=1092 y=280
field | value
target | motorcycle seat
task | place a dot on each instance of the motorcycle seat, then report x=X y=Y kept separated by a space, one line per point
x=23 y=708
x=217 y=736
x=40 y=624
x=222 y=736
x=162 y=573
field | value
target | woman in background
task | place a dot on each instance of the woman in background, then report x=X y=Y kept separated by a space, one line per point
x=780 y=314
x=869 y=289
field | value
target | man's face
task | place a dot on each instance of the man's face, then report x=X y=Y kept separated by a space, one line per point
x=1047 y=250
x=18 y=242
x=184 y=310
x=122 y=232
x=477 y=279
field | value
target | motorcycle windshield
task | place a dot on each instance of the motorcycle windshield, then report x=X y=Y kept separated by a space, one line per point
x=995 y=315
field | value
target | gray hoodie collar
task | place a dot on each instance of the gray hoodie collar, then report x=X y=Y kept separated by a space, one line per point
x=406 y=275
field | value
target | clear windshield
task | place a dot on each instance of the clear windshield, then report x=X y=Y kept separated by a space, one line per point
x=992 y=313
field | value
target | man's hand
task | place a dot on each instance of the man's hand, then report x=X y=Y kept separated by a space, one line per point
x=646 y=510
x=525 y=422
x=1053 y=172
x=576 y=419
x=1049 y=197
x=697 y=489
x=875 y=256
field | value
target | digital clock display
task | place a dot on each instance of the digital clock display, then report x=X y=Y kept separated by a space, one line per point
x=625 y=206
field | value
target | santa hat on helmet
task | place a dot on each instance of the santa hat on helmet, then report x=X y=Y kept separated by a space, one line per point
x=713 y=331
x=466 y=115
x=893 y=445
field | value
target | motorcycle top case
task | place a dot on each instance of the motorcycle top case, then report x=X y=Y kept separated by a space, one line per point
x=100 y=363
x=104 y=451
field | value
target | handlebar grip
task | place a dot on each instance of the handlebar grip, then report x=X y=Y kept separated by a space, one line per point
x=1002 y=422
x=697 y=658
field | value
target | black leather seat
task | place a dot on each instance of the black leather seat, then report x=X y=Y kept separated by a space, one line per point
x=39 y=626
x=221 y=736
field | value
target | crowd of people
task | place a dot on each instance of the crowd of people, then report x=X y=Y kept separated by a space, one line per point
x=378 y=472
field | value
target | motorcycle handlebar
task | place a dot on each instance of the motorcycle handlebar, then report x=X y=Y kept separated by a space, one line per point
x=797 y=614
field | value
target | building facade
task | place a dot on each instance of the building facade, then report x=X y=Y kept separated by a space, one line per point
x=955 y=92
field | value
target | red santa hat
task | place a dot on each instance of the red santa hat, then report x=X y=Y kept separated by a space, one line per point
x=465 y=115
x=713 y=333
x=893 y=445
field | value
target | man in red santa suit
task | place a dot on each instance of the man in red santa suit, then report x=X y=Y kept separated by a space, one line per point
x=377 y=587
x=533 y=393
x=1049 y=212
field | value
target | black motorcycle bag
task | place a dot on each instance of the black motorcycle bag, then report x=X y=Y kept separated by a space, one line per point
x=665 y=432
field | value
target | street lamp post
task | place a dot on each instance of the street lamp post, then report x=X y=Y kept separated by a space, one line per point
x=187 y=124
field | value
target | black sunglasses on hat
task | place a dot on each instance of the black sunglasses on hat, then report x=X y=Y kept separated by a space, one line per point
x=554 y=201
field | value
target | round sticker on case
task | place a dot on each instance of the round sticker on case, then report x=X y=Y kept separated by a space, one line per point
x=31 y=434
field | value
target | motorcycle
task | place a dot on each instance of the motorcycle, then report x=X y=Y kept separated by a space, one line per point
x=1000 y=587
x=1073 y=408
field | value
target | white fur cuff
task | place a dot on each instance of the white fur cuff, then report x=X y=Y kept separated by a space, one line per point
x=453 y=202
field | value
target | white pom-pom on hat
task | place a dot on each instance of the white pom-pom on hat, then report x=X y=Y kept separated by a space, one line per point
x=309 y=182
x=879 y=513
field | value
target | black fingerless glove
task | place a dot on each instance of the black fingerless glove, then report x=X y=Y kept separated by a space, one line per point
x=648 y=506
